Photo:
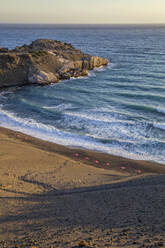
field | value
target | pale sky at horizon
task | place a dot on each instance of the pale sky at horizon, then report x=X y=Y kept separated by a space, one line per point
x=82 y=11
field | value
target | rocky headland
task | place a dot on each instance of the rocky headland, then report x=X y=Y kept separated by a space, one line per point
x=43 y=62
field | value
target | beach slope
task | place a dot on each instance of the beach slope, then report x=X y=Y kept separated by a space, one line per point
x=54 y=196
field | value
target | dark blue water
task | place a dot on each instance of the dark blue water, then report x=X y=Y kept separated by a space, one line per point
x=119 y=109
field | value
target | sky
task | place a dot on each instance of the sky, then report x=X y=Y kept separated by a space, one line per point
x=82 y=11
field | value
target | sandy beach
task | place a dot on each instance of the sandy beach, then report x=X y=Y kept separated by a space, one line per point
x=54 y=196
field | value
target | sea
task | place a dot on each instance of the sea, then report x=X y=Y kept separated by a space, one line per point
x=118 y=109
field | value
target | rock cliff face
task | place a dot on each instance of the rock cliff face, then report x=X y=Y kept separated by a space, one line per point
x=44 y=62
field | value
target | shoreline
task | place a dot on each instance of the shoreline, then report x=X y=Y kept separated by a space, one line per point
x=82 y=154
x=54 y=196
x=125 y=155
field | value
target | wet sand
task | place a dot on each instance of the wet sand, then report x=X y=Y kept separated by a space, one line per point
x=54 y=196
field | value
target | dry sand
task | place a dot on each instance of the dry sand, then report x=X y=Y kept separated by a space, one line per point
x=53 y=196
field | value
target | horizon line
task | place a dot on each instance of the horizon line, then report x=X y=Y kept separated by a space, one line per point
x=130 y=23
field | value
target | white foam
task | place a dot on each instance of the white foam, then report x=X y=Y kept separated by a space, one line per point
x=161 y=110
x=114 y=66
x=74 y=78
x=92 y=116
x=100 y=69
x=5 y=92
x=105 y=126
x=51 y=133
x=159 y=125
x=91 y=74
x=59 y=107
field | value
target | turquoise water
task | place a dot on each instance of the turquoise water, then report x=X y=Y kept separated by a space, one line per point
x=118 y=109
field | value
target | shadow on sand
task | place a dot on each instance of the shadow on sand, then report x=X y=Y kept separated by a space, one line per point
x=56 y=216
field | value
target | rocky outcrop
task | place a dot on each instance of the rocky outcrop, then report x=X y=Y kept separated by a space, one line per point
x=44 y=62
